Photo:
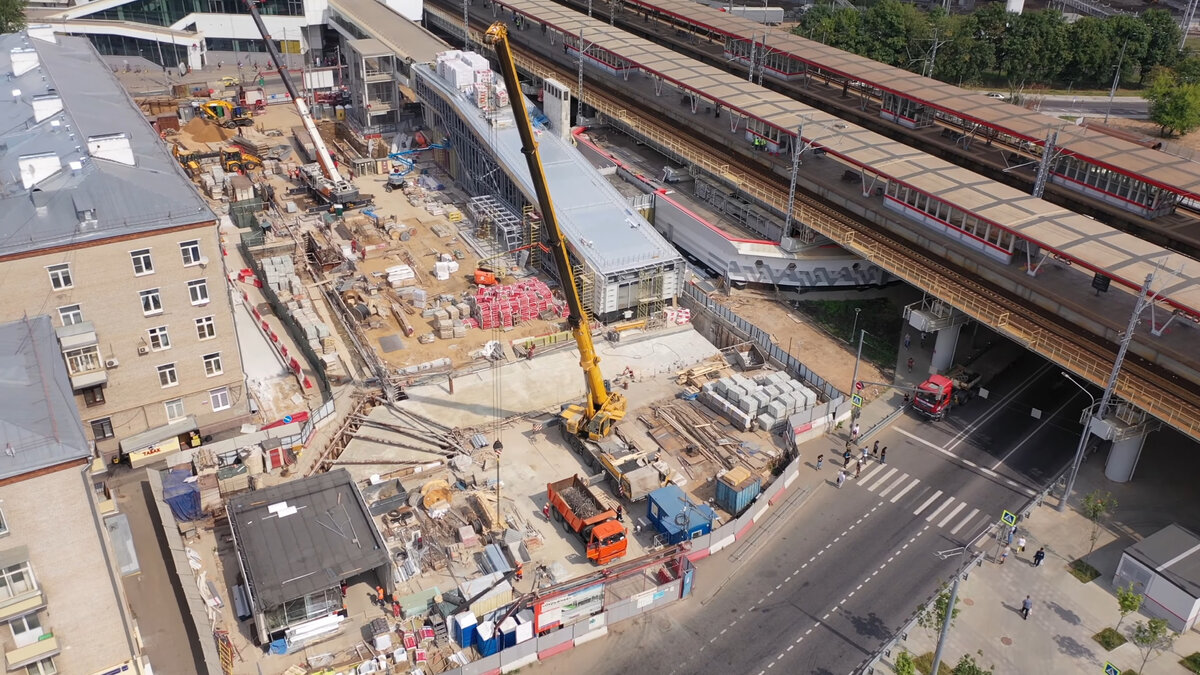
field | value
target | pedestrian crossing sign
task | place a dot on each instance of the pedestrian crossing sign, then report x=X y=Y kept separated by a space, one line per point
x=1110 y=669
x=856 y=400
x=1009 y=518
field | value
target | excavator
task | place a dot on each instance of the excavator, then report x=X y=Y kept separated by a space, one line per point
x=589 y=428
x=233 y=159
x=322 y=177
x=226 y=114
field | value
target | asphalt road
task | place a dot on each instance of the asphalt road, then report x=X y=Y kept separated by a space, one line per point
x=1122 y=107
x=819 y=587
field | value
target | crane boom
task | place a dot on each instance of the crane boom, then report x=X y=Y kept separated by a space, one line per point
x=338 y=189
x=604 y=408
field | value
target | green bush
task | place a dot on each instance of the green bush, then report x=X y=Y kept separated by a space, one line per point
x=1109 y=638
x=1083 y=571
x=924 y=664
x=1191 y=662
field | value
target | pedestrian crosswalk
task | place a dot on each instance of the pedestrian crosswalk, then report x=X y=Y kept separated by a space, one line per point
x=937 y=508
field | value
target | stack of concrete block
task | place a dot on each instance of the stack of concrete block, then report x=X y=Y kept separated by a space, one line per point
x=280 y=275
x=764 y=402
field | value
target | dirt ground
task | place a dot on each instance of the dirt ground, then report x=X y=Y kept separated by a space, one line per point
x=1151 y=129
x=828 y=357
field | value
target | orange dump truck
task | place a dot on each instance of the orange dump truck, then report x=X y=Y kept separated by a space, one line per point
x=573 y=503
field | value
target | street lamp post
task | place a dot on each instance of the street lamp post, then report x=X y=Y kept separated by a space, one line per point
x=854 y=384
x=857 y=310
x=1083 y=438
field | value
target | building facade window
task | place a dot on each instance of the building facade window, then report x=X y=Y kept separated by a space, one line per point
x=142 y=262
x=70 y=315
x=219 y=399
x=102 y=428
x=60 y=276
x=174 y=409
x=190 y=250
x=151 y=302
x=212 y=364
x=167 y=377
x=167 y=12
x=198 y=291
x=44 y=667
x=159 y=340
x=16 y=580
x=83 y=360
x=93 y=396
x=206 y=328
x=26 y=629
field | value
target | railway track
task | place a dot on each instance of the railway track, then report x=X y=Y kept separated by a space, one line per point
x=692 y=43
x=1164 y=395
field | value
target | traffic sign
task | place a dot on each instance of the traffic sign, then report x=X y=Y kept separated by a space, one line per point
x=287 y=419
x=856 y=400
x=1110 y=669
x=1009 y=518
x=858 y=386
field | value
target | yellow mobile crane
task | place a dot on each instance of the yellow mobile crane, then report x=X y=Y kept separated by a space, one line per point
x=595 y=419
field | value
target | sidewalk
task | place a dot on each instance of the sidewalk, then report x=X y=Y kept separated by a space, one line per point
x=1057 y=638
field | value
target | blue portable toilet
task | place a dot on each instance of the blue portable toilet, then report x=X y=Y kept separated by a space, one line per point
x=486 y=640
x=677 y=516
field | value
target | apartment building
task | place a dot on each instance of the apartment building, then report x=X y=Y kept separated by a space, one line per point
x=60 y=596
x=101 y=230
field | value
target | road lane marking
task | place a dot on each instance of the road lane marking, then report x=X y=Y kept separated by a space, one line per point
x=927 y=503
x=998 y=408
x=895 y=484
x=964 y=521
x=872 y=472
x=950 y=516
x=879 y=482
x=1036 y=429
x=896 y=497
x=938 y=510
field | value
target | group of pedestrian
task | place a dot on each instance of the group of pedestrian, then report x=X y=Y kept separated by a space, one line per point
x=386 y=601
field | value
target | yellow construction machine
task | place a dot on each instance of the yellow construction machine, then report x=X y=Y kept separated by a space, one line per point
x=227 y=114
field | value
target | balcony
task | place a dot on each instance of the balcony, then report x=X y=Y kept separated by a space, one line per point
x=21 y=604
x=77 y=335
x=45 y=647
x=377 y=75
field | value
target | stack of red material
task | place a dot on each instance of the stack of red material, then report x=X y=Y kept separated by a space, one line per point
x=507 y=305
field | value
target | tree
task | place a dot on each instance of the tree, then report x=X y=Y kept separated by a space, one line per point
x=1128 y=602
x=1092 y=53
x=904 y=664
x=967 y=666
x=12 y=15
x=1162 y=47
x=1034 y=48
x=1174 y=106
x=1096 y=506
x=1188 y=70
x=932 y=616
x=1151 y=637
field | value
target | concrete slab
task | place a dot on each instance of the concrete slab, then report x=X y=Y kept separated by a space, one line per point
x=550 y=380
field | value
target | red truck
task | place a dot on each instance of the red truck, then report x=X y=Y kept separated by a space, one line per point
x=939 y=393
x=573 y=503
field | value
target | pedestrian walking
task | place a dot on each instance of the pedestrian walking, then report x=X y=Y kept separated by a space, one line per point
x=854 y=432
x=820 y=461
x=620 y=513
x=1012 y=531
x=907 y=340
x=846 y=457
x=546 y=510
x=923 y=334
x=866 y=454
x=883 y=456
x=1021 y=545
x=395 y=605
x=858 y=469
x=1004 y=554
x=841 y=478
x=345 y=589
x=910 y=364
x=1026 y=605
x=1039 y=557
x=875 y=449
x=379 y=595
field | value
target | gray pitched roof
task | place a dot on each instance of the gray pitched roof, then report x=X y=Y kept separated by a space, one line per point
x=78 y=160
x=39 y=423
x=1173 y=552
x=304 y=536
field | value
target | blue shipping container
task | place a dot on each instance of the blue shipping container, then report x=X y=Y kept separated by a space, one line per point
x=736 y=490
x=675 y=515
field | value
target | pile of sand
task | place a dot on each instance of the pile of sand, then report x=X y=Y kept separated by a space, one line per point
x=203 y=131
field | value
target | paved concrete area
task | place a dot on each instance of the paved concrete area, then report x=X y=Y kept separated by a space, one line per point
x=1057 y=637
x=550 y=379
